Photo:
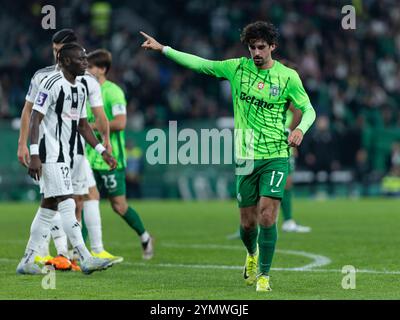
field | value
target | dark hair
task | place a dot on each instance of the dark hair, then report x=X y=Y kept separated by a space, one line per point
x=101 y=58
x=66 y=50
x=259 y=30
x=64 y=36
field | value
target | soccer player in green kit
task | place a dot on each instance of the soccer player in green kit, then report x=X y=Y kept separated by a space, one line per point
x=262 y=89
x=289 y=224
x=112 y=184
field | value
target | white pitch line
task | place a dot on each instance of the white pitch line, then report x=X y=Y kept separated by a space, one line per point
x=319 y=260
x=227 y=267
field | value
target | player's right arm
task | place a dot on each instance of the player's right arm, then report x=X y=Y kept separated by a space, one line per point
x=35 y=165
x=221 y=69
x=42 y=103
x=23 y=152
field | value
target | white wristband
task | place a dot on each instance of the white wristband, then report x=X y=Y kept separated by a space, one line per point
x=34 y=149
x=100 y=148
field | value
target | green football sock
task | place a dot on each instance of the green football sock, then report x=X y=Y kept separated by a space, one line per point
x=132 y=218
x=249 y=239
x=266 y=245
x=286 y=205
x=84 y=228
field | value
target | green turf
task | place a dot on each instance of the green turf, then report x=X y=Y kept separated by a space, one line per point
x=362 y=233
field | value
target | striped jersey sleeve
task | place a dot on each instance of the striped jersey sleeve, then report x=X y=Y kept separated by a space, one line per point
x=36 y=80
x=93 y=89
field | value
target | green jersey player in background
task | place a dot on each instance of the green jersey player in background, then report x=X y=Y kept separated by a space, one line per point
x=289 y=224
x=262 y=90
x=112 y=184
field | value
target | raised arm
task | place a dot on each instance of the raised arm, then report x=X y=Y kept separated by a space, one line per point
x=220 y=69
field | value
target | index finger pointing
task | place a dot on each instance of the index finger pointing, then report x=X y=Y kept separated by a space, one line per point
x=145 y=35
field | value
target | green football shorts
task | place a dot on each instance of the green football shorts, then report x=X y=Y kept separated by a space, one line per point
x=267 y=179
x=110 y=183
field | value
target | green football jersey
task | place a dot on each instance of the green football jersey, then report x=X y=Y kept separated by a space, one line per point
x=114 y=104
x=261 y=99
x=289 y=118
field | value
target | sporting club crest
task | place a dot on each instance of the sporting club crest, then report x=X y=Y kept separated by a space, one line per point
x=274 y=90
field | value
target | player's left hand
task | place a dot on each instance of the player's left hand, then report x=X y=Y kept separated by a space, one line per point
x=35 y=168
x=295 y=138
x=109 y=159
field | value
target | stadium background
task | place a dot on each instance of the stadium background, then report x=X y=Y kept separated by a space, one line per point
x=352 y=77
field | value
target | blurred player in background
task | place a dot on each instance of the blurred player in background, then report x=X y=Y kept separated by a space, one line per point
x=59 y=112
x=262 y=90
x=79 y=180
x=289 y=224
x=112 y=184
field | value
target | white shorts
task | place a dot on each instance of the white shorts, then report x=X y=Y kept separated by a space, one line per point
x=82 y=176
x=91 y=182
x=79 y=175
x=55 y=180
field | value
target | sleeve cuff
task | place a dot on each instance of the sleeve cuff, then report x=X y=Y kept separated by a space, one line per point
x=165 y=49
x=303 y=131
x=29 y=99
x=39 y=109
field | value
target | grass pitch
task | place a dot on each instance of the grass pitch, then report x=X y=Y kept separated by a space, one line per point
x=194 y=260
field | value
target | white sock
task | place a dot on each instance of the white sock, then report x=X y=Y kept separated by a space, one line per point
x=44 y=247
x=72 y=228
x=45 y=250
x=40 y=231
x=144 y=237
x=93 y=224
x=59 y=236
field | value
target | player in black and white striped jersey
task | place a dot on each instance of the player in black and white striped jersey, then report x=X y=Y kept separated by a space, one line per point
x=59 y=113
x=79 y=180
